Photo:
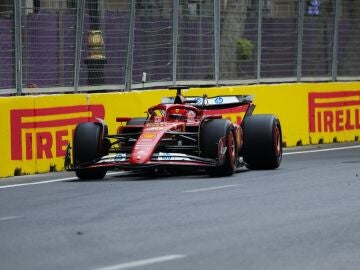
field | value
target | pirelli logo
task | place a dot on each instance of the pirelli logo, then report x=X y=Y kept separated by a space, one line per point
x=45 y=132
x=334 y=111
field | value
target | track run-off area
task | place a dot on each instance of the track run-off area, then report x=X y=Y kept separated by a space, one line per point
x=304 y=215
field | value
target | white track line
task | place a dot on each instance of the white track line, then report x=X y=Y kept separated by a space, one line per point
x=209 y=188
x=112 y=173
x=321 y=150
x=47 y=181
x=144 y=262
x=9 y=218
x=39 y=183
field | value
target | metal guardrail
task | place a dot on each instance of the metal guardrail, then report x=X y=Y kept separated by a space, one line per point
x=105 y=45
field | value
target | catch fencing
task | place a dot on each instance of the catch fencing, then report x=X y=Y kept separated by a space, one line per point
x=119 y=45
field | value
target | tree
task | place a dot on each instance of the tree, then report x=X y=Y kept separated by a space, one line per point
x=233 y=17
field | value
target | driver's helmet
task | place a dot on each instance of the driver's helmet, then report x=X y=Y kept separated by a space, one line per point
x=177 y=114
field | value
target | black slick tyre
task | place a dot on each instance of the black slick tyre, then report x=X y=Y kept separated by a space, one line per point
x=262 y=148
x=217 y=141
x=88 y=145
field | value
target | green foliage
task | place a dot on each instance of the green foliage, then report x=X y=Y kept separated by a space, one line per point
x=244 y=49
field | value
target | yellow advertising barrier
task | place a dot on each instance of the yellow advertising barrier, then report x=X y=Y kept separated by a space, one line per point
x=36 y=129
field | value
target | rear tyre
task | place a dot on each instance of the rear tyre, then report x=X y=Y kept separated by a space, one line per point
x=262 y=147
x=89 y=145
x=217 y=141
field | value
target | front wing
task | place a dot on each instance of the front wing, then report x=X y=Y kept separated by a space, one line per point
x=160 y=159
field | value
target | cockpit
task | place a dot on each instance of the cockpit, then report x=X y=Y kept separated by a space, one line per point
x=171 y=113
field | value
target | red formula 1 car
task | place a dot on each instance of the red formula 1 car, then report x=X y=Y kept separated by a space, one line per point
x=180 y=132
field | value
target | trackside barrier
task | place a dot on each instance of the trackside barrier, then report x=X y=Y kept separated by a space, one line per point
x=34 y=130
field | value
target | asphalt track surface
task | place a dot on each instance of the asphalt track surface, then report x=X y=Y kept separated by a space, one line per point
x=304 y=215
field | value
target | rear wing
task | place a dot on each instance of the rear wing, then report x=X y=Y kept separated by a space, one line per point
x=217 y=101
x=205 y=101
x=223 y=104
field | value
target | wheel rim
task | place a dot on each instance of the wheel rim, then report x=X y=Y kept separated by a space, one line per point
x=277 y=142
x=232 y=150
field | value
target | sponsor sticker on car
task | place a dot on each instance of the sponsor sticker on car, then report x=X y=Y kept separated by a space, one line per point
x=148 y=135
x=173 y=156
x=164 y=156
x=219 y=100
x=120 y=157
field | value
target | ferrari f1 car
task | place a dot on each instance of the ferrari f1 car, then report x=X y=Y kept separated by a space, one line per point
x=180 y=132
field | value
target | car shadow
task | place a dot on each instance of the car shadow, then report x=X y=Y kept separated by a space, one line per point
x=137 y=176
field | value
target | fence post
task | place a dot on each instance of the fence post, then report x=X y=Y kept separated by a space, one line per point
x=259 y=39
x=175 y=38
x=300 y=34
x=335 y=41
x=130 y=49
x=18 y=47
x=217 y=40
x=78 y=45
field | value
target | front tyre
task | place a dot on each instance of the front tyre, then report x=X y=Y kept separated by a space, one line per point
x=217 y=141
x=262 y=147
x=89 y=145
